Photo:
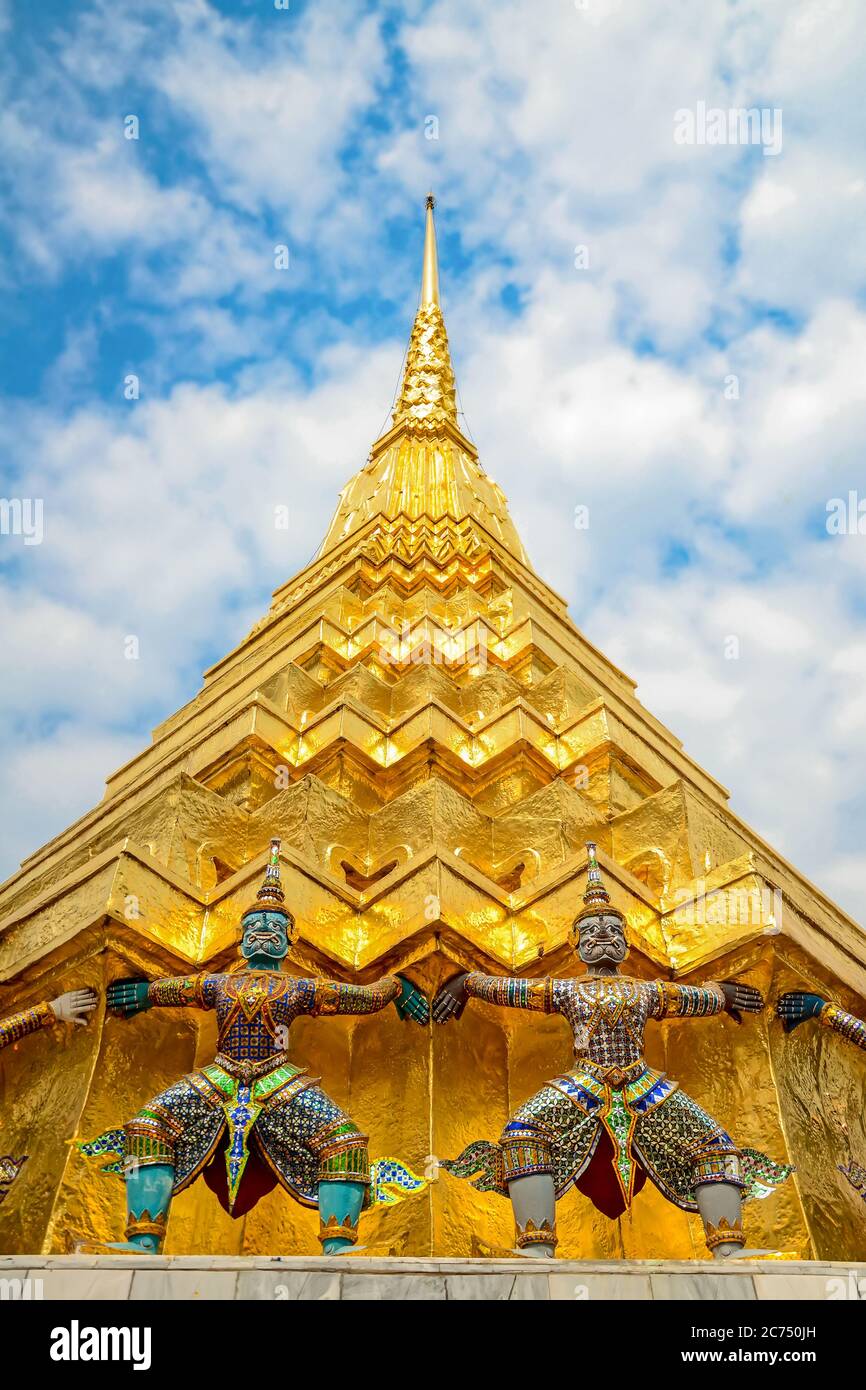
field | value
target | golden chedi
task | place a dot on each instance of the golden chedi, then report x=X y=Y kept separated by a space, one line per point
x=420 y=722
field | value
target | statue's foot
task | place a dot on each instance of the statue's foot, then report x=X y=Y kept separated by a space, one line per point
x=535 y=1252
x=341 y=1248
x=727 y=1251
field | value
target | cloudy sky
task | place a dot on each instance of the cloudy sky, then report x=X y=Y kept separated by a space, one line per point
x=671 y=333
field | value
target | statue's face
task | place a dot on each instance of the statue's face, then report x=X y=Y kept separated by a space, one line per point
x=602 y=940
x=265 y=936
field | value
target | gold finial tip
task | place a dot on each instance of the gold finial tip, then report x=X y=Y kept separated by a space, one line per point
x=430 y=275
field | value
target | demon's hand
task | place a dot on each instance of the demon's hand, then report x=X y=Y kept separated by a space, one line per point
x=74 y=1006
x=127 y=997
x=451 y=1000
x=796 y=1006
x=741 y=999
x=412 y=1003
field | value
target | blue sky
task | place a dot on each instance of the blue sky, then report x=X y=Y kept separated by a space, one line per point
x=604 y=384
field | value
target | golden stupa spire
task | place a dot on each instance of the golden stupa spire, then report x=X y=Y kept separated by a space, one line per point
x=428 y=395
x=423 y=465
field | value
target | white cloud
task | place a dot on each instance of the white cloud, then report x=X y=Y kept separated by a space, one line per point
x=50 y=780
x=272 y=116
x=803 y=229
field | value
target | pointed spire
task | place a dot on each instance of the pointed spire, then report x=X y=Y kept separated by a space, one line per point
x=430 y=273
x=596 y=898
x=271 y=890
x=270 y=897
x=423 y=465
x=428 y=396
x=595 y=893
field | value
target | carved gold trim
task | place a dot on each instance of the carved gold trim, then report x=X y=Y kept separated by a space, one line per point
x=530 y=1234
x=332 y=1229
x=147 y=1225
x=724 y=1234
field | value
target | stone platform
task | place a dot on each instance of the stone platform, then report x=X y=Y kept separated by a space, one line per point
x=352 y=1278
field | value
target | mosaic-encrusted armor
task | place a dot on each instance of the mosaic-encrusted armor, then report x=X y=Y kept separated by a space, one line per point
x=252 y=1091
x=653 y=1128
x=252 y=1118
x=9 y=1169
x=18 y=1026
x=856 y=1175
x=854 y=1029
x=612 y=1121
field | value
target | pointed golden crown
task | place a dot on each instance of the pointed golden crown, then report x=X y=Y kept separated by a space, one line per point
x=596 y=898
x=270 y=897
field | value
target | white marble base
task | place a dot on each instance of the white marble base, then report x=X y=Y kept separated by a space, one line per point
x=354 y=1277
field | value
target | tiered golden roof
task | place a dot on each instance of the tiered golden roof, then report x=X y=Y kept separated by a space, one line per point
x=434 y=741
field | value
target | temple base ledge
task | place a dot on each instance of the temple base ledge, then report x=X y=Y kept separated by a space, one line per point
x=362 y=1277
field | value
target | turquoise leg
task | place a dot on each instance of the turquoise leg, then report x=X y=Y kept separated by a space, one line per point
x=344 y=1201
x=148 y=1189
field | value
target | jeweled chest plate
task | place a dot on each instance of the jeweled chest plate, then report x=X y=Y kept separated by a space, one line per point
x=608 y=1018
x=253 y=1011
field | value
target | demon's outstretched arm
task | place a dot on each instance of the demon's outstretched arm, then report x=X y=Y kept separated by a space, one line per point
x=539 y=996
x=128 y=997
x=797 y=1005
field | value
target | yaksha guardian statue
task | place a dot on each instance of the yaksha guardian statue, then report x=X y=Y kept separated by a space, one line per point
x=795 y=1008
x=72 y=1007
x=251 y=1106
x=612 y=1121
